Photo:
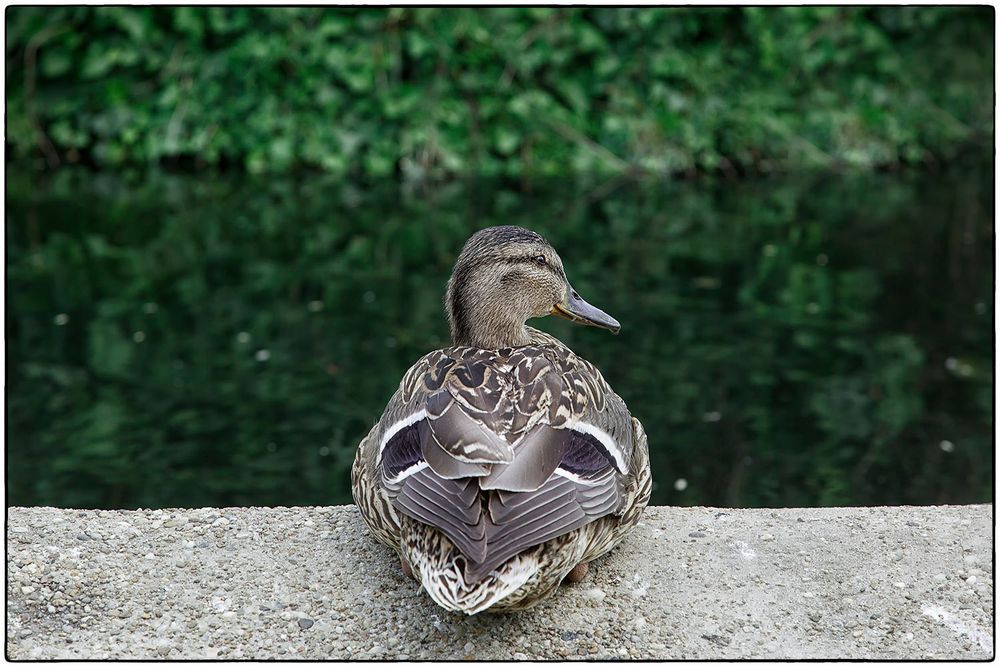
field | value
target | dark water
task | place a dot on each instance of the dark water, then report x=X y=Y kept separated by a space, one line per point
x=207 y=340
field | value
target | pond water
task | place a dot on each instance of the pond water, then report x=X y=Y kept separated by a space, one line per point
x=187 y=340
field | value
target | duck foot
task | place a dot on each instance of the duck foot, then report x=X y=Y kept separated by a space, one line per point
x=577 y=574
x=407 y=572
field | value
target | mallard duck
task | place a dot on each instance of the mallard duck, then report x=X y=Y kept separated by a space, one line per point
x=504 y=462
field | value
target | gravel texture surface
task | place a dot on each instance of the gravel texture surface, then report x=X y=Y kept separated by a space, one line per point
x=308 y=582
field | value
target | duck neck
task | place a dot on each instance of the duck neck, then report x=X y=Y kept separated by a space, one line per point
x=483 y=320
x=491 y=337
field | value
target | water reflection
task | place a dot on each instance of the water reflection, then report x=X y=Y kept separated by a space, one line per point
x=185 y=341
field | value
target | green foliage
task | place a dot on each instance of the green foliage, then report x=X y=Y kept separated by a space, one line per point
x=423 y=92
x=181 y=341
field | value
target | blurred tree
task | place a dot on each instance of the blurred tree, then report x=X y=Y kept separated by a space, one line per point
x=429 y=92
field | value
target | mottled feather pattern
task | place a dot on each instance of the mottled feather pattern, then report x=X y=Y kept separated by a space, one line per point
x=501 y=397
x=511 y=389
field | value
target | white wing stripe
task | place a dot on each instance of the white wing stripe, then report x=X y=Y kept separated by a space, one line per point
x=605 y=439
x=579 y=480
x=399 y=426
x=413 y=469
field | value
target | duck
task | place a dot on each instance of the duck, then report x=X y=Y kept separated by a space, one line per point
x=504 y=463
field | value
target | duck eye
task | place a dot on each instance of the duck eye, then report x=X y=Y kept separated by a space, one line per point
x=541 y=259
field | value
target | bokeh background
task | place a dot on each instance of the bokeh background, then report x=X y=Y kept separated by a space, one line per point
x=229 y=230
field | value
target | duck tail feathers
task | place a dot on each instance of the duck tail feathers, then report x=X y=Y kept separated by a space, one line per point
x=446 y=583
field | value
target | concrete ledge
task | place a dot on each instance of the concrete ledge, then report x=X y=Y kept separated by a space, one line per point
x=308 y=582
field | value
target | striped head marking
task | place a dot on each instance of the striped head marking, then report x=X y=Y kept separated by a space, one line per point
x=505 y=276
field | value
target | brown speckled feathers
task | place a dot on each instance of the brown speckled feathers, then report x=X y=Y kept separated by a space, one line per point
x=493 y=425
x=504 y=460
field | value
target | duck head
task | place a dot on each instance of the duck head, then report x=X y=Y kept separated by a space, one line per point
x=505 y=276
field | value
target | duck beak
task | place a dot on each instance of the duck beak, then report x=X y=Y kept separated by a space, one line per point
x=575 y=309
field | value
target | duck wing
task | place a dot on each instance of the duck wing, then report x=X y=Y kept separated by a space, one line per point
x=503 y=450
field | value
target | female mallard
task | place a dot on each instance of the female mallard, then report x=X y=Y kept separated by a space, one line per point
x=505 y=462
